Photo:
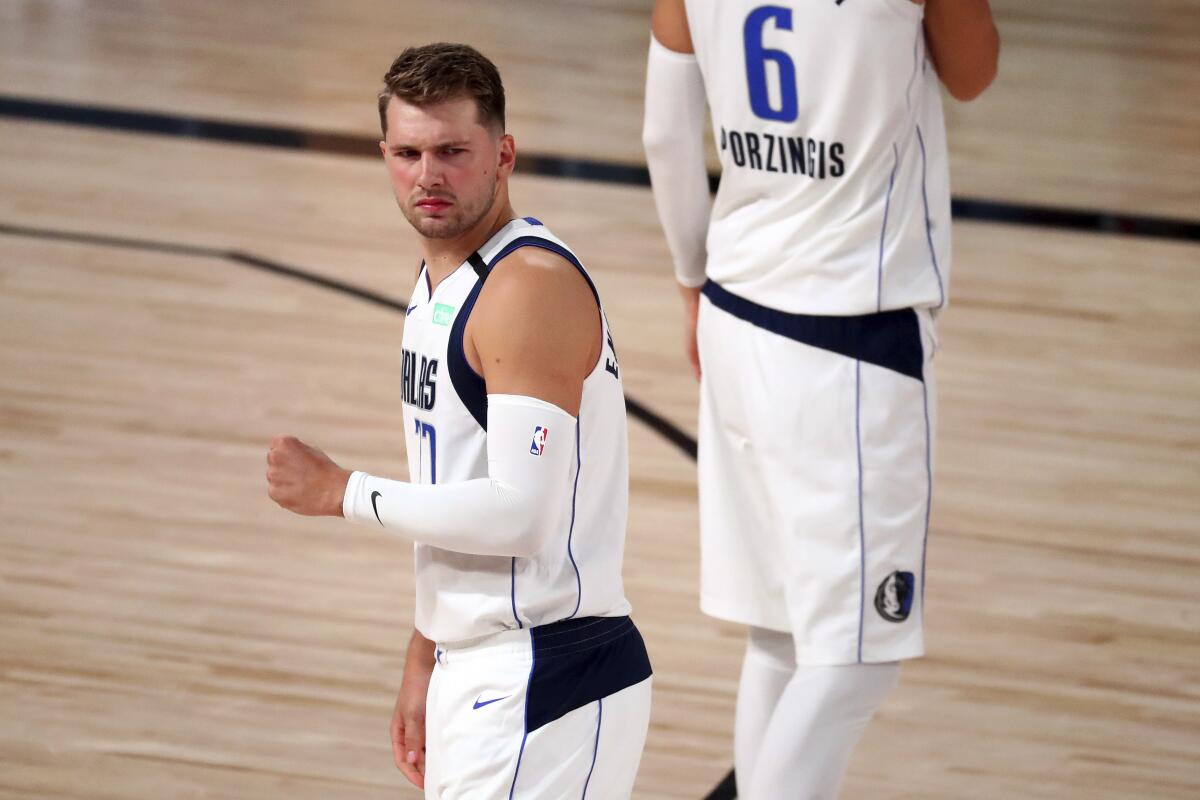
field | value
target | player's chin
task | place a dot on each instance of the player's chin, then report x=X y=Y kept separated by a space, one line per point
x=438 y=227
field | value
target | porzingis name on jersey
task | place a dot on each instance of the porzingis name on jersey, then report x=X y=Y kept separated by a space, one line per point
x=793 y=155
x=420 y=380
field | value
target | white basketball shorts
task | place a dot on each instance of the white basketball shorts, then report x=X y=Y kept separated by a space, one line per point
x=541 y=713
x=816 y=464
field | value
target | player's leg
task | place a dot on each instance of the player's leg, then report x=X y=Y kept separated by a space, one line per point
x=623 y=720
x=433 y=734
x=593 y=751
x=767 y=667
x=475 y=717
x=817 y=722
x=852 y=502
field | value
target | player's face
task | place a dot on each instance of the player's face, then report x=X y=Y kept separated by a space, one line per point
x=445 y=166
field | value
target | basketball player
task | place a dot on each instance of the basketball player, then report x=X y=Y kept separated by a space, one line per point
x=525 y=677
x=810 y=291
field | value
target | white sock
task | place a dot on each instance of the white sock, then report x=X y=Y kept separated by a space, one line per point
x=768 y=666
x=796 y=727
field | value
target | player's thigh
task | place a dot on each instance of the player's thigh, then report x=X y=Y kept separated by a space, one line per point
x=622 y=738
x=739 y=565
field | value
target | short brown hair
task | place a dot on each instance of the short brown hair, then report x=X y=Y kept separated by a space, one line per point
x=435 y=73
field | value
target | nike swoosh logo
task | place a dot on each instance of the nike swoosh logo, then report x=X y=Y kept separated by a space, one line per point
x=411 y=309
x=375 y=496
x=488 y=702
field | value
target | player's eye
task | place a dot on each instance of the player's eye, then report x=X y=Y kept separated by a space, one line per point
x=453 y=151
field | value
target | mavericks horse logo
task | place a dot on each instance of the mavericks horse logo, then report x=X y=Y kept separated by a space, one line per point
x=894 y=597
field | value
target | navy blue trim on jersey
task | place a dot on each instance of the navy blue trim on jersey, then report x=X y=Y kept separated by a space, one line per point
x=468 y=383
x=533 y=221
x=571 y=530
x=513 y=584
x=553 y=247
x=476 y=262
x=928 y=224
x=889 y=339
x=887 y=205
x=580 y=661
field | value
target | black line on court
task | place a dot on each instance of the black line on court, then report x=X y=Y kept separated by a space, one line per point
x=316 y=280
x=111 y=241
x=725 y=790
x=148 y=245
x=663 y=427
x=544 y=165
x=656 y=422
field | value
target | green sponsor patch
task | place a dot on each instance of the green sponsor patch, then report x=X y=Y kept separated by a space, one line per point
x=442 y=314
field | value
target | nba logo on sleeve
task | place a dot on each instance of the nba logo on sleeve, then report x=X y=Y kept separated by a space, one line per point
x=540 y=435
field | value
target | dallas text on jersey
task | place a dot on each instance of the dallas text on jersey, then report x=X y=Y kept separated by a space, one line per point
x=420 y=380
x=796 y=155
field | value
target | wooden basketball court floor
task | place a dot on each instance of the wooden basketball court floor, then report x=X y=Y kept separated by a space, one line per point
x=167 y=632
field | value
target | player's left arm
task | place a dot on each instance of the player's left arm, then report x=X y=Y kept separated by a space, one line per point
x=673 y=137
x=964 y=44
x=536 y=334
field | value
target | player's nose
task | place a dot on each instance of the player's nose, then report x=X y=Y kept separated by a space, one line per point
x=430 y=173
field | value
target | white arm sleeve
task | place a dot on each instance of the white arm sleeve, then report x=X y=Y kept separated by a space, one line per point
x=512 y=512
x=673 y=135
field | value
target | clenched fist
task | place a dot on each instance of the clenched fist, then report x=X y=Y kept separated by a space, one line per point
x=303 y=479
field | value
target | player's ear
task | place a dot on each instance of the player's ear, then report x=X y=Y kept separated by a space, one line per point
x=383 y=148
x=508 y=155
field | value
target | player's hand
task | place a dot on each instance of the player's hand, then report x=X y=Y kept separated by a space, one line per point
x=691 y=308
x=303 y=479
x=408 y=715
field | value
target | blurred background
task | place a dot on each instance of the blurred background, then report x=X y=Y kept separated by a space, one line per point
x=199 y=251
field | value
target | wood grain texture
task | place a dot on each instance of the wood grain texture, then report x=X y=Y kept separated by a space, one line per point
x=1094 y=107
x=165 y=631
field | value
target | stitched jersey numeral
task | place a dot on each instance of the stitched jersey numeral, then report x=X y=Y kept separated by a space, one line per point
x=426 y=431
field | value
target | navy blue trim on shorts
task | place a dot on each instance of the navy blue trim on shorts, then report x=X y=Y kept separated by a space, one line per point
x=580 y=661
x=595 y=746
x=862 y=531
x=888 y=339
x=524 y=734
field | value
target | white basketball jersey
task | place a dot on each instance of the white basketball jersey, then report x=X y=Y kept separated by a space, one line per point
x=834 y=195
x=578 y=573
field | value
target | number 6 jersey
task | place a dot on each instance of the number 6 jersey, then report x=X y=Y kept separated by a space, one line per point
x=834 y=195
x=578 y=573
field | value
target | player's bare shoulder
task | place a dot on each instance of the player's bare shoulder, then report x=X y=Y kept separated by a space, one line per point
x=537 y=284
x=536 y=309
